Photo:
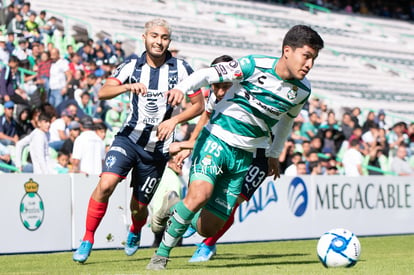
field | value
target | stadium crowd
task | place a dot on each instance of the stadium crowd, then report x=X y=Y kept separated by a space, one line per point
x=42 y=71
x=401 y=9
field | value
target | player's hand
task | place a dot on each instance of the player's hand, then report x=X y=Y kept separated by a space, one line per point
x=166 y=128
x=181 y=156
x=174 y=148
x=273 y=167
x=136 y=88
x=174 y=97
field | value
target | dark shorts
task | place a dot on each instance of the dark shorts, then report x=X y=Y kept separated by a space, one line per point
x=148 y=167
x=255 y=176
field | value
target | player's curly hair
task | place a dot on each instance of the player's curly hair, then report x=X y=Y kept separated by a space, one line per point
x=157 y=22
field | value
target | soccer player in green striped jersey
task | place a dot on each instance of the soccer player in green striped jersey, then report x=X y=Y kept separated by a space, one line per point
x=266 y=92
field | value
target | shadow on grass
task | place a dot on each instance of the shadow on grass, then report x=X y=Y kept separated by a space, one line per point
x=252 y=260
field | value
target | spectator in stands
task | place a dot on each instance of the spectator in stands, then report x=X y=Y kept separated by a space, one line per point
x=16 y=25
x=10 y=45
x=88 y=150
x=285 y=157
x=10 y=80
x=315 y=168
x=399 y=164
x=41 y=20
x=306 y=148
x=119 y=51
x=24 y=126
x=353 y=159
x=347 y=125
x=291 y=170
x=60 y=76
x=295 y=134
x=61 y=165
x=328 y=141
x=10 y=13
x=75 y=85
x=115 y=116
x=331 y=122
x=316 y=144
x=369 y=122
x=370 y=137
x=8 y=126
x=58 y=133
x=4 y=53
x=310 y=129
x=376 y=158
x=32 y=28
x=397 y=137
x=43 y=70
x=22 y=52
x=331 y=171
x=86 y=52
x=86 y=105
x=39 y=146
x=100 y=129
x=355 y=116
x=74 y=132
x=76 y=63
x=26 y=10
x=49 y=28
x=380 y=120
x=5 y=158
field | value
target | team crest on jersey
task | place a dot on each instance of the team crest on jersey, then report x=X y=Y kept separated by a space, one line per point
x=110 y=161
x=172 y=81
x=293 y=93
x=206 y=160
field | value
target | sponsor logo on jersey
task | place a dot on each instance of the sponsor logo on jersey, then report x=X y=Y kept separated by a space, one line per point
x=119 y=149
x=221 y=69
x=237 y=74
x=151 y=106
x=233 y=64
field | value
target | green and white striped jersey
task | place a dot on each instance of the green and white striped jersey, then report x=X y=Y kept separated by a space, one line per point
x=255 y=103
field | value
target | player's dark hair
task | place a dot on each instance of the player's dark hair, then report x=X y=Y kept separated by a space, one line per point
x=301 y=35
x=222 y=58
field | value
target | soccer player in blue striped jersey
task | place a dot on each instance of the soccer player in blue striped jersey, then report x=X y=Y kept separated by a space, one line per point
x=267 y=93
x=142 y=143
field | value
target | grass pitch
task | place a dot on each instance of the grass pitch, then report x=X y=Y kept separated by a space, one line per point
x=380 y=255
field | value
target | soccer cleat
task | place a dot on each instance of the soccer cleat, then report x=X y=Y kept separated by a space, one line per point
x=132 y=243
x=159 y=219
x=83 y=252
x=189 y=232
x=203 y=253
x=157 y=262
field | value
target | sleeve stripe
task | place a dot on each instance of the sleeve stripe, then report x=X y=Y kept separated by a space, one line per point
x=114 y=78
x=195 y=93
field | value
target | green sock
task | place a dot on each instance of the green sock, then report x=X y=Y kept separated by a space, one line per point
x=194 y=220
x=177 y=224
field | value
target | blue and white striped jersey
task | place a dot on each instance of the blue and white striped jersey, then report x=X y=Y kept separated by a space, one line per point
x=146 y=112
x=255 y=103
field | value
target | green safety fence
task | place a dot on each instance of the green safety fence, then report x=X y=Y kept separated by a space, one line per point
x=9 y=167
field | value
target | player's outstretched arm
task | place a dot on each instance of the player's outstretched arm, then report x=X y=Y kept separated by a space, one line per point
x=112 y=88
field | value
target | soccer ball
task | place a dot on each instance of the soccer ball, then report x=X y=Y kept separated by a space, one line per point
x=338 y=248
